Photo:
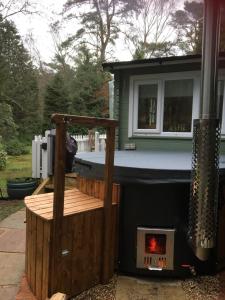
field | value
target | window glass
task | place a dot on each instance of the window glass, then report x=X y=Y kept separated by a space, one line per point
x=147 y=106
x=178 y=100
x=220 y=99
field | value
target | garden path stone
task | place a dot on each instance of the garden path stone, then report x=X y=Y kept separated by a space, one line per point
x=8 y=292
x=15 y=220
x=11 y=268
x=12 y=254
x=12 y=240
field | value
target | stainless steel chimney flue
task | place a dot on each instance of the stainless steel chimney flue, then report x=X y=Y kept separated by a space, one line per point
x=206 y=140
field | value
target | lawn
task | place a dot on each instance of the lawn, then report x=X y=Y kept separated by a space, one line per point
x=17 y=166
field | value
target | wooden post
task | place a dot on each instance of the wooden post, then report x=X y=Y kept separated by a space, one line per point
x=107 y=211
x=107 y=260
x=58 y=205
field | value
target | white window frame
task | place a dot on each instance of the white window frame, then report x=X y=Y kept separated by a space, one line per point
x=160 y=79
x=222 y=77
x=137 y=83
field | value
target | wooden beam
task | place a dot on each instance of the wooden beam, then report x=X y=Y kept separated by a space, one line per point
x=107 y=263
x=58 y=205
x=41 y=187
x=86 y=121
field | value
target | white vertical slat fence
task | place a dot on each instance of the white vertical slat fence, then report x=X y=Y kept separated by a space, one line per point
x=42 y=151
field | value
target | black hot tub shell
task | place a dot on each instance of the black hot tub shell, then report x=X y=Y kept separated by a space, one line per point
x=155 y=190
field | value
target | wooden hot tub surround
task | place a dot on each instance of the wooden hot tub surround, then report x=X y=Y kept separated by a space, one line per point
x=71 y=235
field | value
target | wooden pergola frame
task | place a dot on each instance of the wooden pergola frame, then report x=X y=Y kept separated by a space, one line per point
x=62 y=121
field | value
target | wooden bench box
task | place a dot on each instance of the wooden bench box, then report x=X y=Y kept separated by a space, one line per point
x=82 y=239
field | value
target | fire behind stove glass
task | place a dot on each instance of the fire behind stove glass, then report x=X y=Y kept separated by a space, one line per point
x=155 y=243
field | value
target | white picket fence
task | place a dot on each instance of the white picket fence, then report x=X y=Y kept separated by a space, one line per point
x=42 y=151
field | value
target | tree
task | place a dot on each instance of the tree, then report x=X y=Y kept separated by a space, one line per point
x=18 y=80
x=100 y=23
x=9 y=8
x=7 y=124
x=149 y=33
x=56 y=99
x=189 y=26
x=87 y=82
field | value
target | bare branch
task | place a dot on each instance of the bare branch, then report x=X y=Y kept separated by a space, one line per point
x=14 y=7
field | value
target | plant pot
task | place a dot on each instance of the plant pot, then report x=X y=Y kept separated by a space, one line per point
x=19 y=188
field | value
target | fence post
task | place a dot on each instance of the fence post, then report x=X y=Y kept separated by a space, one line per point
x=34 y=157
x=44 y=160
x=97 y=142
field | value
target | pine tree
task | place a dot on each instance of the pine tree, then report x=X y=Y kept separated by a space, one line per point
x=57 y=99
x=18 y=84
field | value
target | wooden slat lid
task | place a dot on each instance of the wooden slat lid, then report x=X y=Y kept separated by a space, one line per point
x=74 y=202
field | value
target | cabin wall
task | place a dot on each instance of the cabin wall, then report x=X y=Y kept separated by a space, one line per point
x=121 y=110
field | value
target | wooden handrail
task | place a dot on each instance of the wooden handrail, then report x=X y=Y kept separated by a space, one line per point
x=61 y=122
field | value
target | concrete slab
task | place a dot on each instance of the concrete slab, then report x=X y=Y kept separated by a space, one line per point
x=15 y=220
x=129 y=288
x=12 y=266
x=8 y=292
x=12 y=240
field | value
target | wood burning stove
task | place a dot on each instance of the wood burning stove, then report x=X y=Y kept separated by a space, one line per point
x=154 y=212
x=155 y=249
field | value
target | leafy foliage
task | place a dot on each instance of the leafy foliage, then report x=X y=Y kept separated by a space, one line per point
x=100 y=26
x=77 y=90
x=15 y=148
x=88 y=80
x=3 y=157
x=189 y=26
x=7 y=124
x=18 y=82
x=56 y=98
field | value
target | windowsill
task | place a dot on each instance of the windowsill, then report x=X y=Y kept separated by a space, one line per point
x=162 y=135
x=165 y=136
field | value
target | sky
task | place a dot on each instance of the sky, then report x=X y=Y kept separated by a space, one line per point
x=38 y=25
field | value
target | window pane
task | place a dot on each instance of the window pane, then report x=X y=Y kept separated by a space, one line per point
x=220 y=99
x=147 y=106
x=178 y=105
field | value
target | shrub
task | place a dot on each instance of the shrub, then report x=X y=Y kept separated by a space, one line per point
x=3 y=158
x=15 y=148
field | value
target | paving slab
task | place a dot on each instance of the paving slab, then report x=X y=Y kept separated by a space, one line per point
x=8 y=292
x=15 y=220
x=12 y=267
x=129 y=288
x=12 y=240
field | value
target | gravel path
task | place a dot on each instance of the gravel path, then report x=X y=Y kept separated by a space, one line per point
x=197 y=288
x=202 y=288
x=100 y=292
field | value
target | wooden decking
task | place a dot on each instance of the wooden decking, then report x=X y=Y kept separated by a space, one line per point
x=74 y=202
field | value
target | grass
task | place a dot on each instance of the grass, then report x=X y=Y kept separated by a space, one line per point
x=17 y=166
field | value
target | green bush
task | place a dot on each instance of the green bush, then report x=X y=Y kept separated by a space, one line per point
x=3 y=158
x=16 y=148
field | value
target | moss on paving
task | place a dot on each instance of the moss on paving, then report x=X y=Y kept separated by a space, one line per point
x=9 y=207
